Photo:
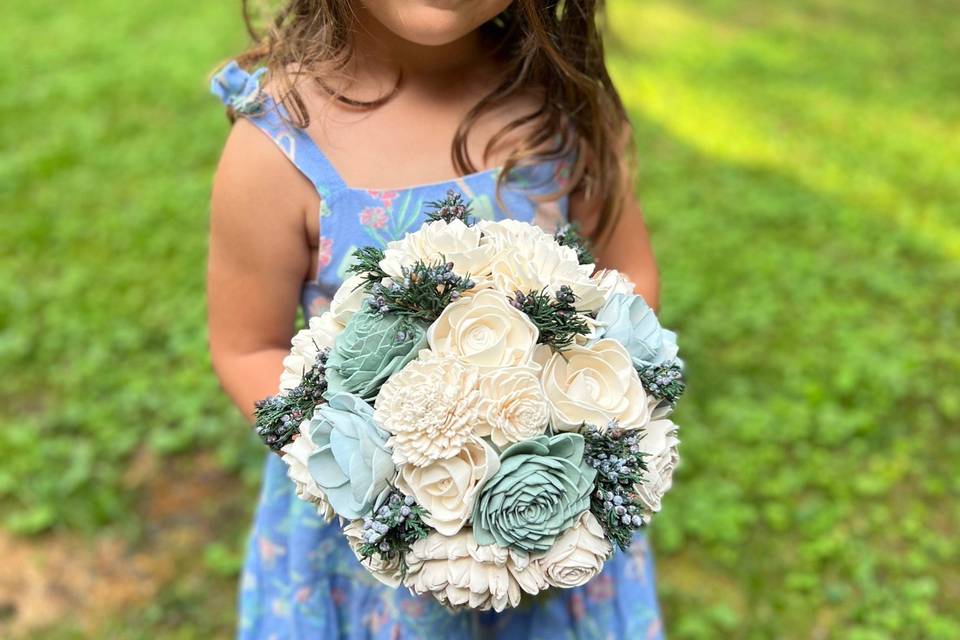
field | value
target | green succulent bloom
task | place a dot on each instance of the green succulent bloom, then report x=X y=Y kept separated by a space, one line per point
x=542 y=487
x=370 y=349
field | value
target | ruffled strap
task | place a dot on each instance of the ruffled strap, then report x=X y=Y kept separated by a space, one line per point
x=239 y=90
x=242 y=91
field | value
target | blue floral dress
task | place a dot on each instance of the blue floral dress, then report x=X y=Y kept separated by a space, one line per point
x=300 y=579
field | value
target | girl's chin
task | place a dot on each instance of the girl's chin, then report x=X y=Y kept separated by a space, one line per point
x=434 y=22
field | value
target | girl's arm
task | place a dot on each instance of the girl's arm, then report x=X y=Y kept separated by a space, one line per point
x=626 y=247
x=258 y=259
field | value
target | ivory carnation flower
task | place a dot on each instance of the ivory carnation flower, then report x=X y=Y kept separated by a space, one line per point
x=543 y=264
x=594 y=385
x=461 y=573
x=447 y=488
x=385 y=571
x=348 y=299
x=660 y=442
x=578 y=554
x=512 y=405
x=306 y=346
x=440 y=242
x=484 y=330
x=429 y=407
x=296 y=454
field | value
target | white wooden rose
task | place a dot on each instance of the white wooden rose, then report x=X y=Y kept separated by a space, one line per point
x=578 y=555
x=594 y=385
x=447 y=488
x=306 y=345
x=460 y=573
x=484 y=330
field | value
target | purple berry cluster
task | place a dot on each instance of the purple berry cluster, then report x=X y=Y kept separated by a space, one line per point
x=616 y=455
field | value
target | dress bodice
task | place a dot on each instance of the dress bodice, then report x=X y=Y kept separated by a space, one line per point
x=351 y=218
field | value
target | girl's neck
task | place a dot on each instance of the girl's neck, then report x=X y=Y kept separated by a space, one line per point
x=381 y=51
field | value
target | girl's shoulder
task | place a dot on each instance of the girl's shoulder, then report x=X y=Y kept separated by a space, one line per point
x=254 y=178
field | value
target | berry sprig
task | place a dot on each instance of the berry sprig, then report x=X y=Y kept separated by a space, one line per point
x=392 y=528
x=422 y=293
x=568 y=235
x=664 y=381
x=278 y=418
x=453 y=207
x=555 y=316
x=615 y=454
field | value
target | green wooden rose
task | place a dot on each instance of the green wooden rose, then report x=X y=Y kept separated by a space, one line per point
x=542 y=487
x=370 y=349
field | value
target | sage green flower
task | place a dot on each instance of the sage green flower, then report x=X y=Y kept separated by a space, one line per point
x=350 y=461
x=370 y=349
x=542 y=487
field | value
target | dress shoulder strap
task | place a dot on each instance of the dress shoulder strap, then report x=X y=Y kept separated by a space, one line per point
x=242 y=92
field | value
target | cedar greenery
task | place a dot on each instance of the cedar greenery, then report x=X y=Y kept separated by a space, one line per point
x=664 y=381
x=615 y=454
x=390 y=530
x=422 y=293
x=568 y=235
x=277 y=418
x=555 y=316
x=366 y=263
x=451 y=208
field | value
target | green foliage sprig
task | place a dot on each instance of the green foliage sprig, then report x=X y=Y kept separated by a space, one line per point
x=568 y=235
x=615 y=454
x=664 y=381
x=277 y=418
x=393 y=528
x=555 y=316
x=366 y=263
x=422 y=293
x=453 y=207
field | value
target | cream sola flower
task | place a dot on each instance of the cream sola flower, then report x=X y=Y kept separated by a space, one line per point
x=611 y=281
x=594 y=385
x=484 y=330
x=321 y=332
x=447 y=488
x=348 y=299
x=461 y=573
x=578 y=555
x=512 y=405
x=306 y=346
x=527 y=259
x=384 y=570
x=440 y=241
x=429 y=407
x=660 y=443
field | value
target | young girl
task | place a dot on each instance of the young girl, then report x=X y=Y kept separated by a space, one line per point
x=370 y=110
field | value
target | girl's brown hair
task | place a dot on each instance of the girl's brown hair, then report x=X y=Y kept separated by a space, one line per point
x=553 y=46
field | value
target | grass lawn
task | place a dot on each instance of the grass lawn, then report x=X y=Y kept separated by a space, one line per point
x=799 y=174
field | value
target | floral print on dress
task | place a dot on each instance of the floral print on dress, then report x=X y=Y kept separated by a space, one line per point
x=324 y=252
x=300 y=578
x=374 y=217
